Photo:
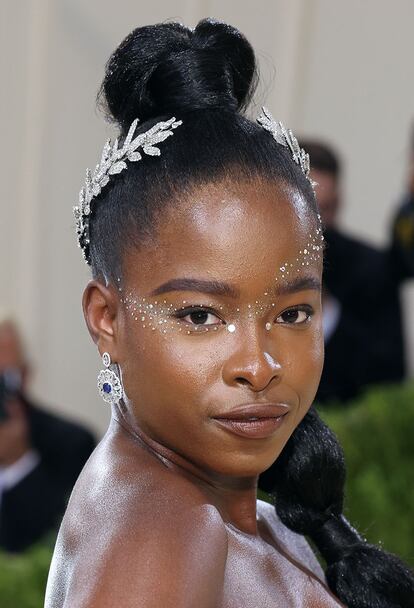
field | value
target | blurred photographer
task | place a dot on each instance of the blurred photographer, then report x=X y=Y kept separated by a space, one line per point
x=41 y=454
x=402 y=247
x=361 y=290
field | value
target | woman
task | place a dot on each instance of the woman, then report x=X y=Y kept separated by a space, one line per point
x=205 y=304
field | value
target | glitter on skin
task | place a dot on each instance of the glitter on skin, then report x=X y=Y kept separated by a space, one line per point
x=164 y=316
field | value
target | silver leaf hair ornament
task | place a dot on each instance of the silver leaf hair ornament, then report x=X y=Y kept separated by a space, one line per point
x=113 y=161
x=285 y=137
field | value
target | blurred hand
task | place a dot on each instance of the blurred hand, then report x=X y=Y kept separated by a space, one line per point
x=14 y=433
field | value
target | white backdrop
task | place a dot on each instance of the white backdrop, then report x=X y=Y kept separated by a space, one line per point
x=338 y=70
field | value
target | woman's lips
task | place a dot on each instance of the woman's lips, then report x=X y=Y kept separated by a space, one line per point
x=254 y=421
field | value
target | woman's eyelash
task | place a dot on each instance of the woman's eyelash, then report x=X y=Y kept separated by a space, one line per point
x=203 y=312
x=194 y=310
x=299 y=308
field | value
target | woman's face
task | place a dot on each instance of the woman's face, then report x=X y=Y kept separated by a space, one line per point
x=210 y=321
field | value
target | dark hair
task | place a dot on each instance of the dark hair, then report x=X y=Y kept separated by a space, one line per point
x=322 y=156
x=205 y=77
x=308 y=488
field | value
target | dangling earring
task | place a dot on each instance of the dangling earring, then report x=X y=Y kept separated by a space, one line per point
x=109 y=384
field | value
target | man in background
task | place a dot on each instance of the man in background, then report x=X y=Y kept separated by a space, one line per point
x=41 y=454
x=362 y=316
x=402 y=248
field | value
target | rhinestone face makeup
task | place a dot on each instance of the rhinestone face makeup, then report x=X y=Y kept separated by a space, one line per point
x=312 y=252
x=188 y=318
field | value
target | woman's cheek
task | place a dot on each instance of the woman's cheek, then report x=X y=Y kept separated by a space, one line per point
x=169 y=365
x=313 y=365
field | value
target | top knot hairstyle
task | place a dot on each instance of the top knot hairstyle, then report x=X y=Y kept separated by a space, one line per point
x=206 y=78
x=169 y=68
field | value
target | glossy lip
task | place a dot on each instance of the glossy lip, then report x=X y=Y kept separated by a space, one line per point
x=254 y=420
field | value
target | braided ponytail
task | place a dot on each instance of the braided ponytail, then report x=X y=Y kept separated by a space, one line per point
x=309 y=478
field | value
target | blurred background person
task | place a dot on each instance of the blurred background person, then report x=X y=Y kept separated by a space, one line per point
x=402 y=249
x=363 y=320
x=41 y=454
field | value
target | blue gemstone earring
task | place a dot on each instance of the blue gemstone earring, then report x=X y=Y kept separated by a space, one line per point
x=109 y=384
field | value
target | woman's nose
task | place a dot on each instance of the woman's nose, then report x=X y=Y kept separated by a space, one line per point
x=251 y=363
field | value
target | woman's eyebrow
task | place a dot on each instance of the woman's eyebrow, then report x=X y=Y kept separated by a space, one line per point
x=298 y=284
x=218 y=288
x=221 y=288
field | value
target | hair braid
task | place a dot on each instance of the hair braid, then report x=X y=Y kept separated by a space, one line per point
x=309 y=480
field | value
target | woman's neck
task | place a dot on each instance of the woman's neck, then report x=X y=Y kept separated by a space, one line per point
x=234 y=497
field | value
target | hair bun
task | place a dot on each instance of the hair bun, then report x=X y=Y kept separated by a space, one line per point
x=169 y=68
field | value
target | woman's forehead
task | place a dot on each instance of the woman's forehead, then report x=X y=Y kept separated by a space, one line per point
x=252 y=237
x=232 y=230
x=225 y=207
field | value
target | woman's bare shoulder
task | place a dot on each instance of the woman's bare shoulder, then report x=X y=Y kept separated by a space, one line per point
x=146 y=534
x=294 y=544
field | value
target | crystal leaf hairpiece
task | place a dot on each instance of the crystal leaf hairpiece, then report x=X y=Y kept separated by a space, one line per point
x=286 y=138
x=113 y=162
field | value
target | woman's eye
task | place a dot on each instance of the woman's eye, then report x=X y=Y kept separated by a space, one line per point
x=295 y=316
x=199 y=317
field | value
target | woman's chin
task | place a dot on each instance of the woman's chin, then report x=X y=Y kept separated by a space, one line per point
x=245 y=467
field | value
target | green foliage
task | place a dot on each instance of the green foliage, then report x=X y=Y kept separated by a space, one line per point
x=23 y=577
x=376 y=433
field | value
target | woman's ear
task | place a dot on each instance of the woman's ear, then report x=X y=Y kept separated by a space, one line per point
x=100 y=308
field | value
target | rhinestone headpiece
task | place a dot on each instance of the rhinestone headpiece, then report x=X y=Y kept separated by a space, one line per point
x=113 y=162
x=285 y=137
